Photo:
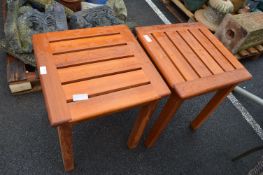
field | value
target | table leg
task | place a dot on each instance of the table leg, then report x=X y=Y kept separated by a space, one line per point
x=169 y=110
x=211 y=106
x=65 y=140
x=140 y=124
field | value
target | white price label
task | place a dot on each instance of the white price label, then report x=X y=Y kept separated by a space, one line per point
x=43 y=70
x=80 y=97
x=147 y=38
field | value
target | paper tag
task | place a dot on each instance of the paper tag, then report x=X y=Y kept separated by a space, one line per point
x=43 y=70
x=147 y=38
x=80 y=97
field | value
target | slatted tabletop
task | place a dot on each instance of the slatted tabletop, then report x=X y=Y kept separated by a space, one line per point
x=105 y=63
x=191 y=58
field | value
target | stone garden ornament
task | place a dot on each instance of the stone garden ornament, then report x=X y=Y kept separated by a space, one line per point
x=24 y=21
x=214 y=13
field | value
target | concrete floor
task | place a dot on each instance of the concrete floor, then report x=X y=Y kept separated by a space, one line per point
x=28 y=145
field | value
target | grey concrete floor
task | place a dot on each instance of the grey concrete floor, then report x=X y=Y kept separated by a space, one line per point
x=28 y=145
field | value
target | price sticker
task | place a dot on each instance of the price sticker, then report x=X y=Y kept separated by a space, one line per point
x=147 y=38
x=80 y=97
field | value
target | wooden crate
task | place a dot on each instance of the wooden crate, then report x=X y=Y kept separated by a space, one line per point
x=21 y=78
x=177 y=6
x=252 y=53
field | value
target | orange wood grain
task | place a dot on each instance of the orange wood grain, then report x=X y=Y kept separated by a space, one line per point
x=211 y=83
x=146 y=64
x=212 y=50
x=96 y=70
x=92 y=56
x=76 y=45
x=108 y=65
x=140 y=124
x=211 y=106
x=66 y=146
x=231 y=58
x=111 y=102
x=166 y=66
x=171 y=27
x=80 y=33
x=189 y=54
x=78 y=73
x=168 y=112
x=200 y=51
x=54 y=96
x=180 y=63
x=204 y=65
x=100 y=86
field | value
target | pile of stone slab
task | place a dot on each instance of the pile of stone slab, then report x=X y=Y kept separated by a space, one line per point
x=27 y=17
x=242 y=31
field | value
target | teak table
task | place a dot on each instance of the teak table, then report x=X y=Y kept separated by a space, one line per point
x=193 y=62
x=89 y=73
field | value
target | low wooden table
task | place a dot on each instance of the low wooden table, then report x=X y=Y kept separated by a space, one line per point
x=90 y=73
x=193 y=62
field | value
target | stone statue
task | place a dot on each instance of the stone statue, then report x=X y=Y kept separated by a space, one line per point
x=119 y=9
x=98 y=16
x=31 y=21
x=23 y=22
x=27 y=58
x=10 y=28
x=241 y=31
x=41 y=4
x=214 y=13
x=118 y=6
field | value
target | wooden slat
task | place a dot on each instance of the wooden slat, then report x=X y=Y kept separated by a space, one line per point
x=112 y=102
x=147 y=65
x=222 y=48
x=16 y=70
x=181 y=17
x=214 y=64
x=180 y=5
x=19 y=80
x=253 y=51
x=189 y=54
x=175 y=56
x=160 y=58
x=218 y=56
x=89 y=71
x=169 y=27
x=243 y=53
x=203 y=55
x=83 y=33
x=108 y=84
x=58 y=111
x=260 y=48
x=90 y=56
x=115 y=78
x=86 y=44
x=208 y=84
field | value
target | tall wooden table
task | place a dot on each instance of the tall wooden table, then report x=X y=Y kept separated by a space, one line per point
x=90 y=73
x=193 y=62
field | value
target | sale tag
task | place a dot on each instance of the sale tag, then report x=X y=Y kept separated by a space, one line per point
x=147 y=38
x=80 y=97
x=43 y=70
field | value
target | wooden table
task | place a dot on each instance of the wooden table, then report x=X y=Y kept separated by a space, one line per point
x=90 y=73
x=193 y=62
